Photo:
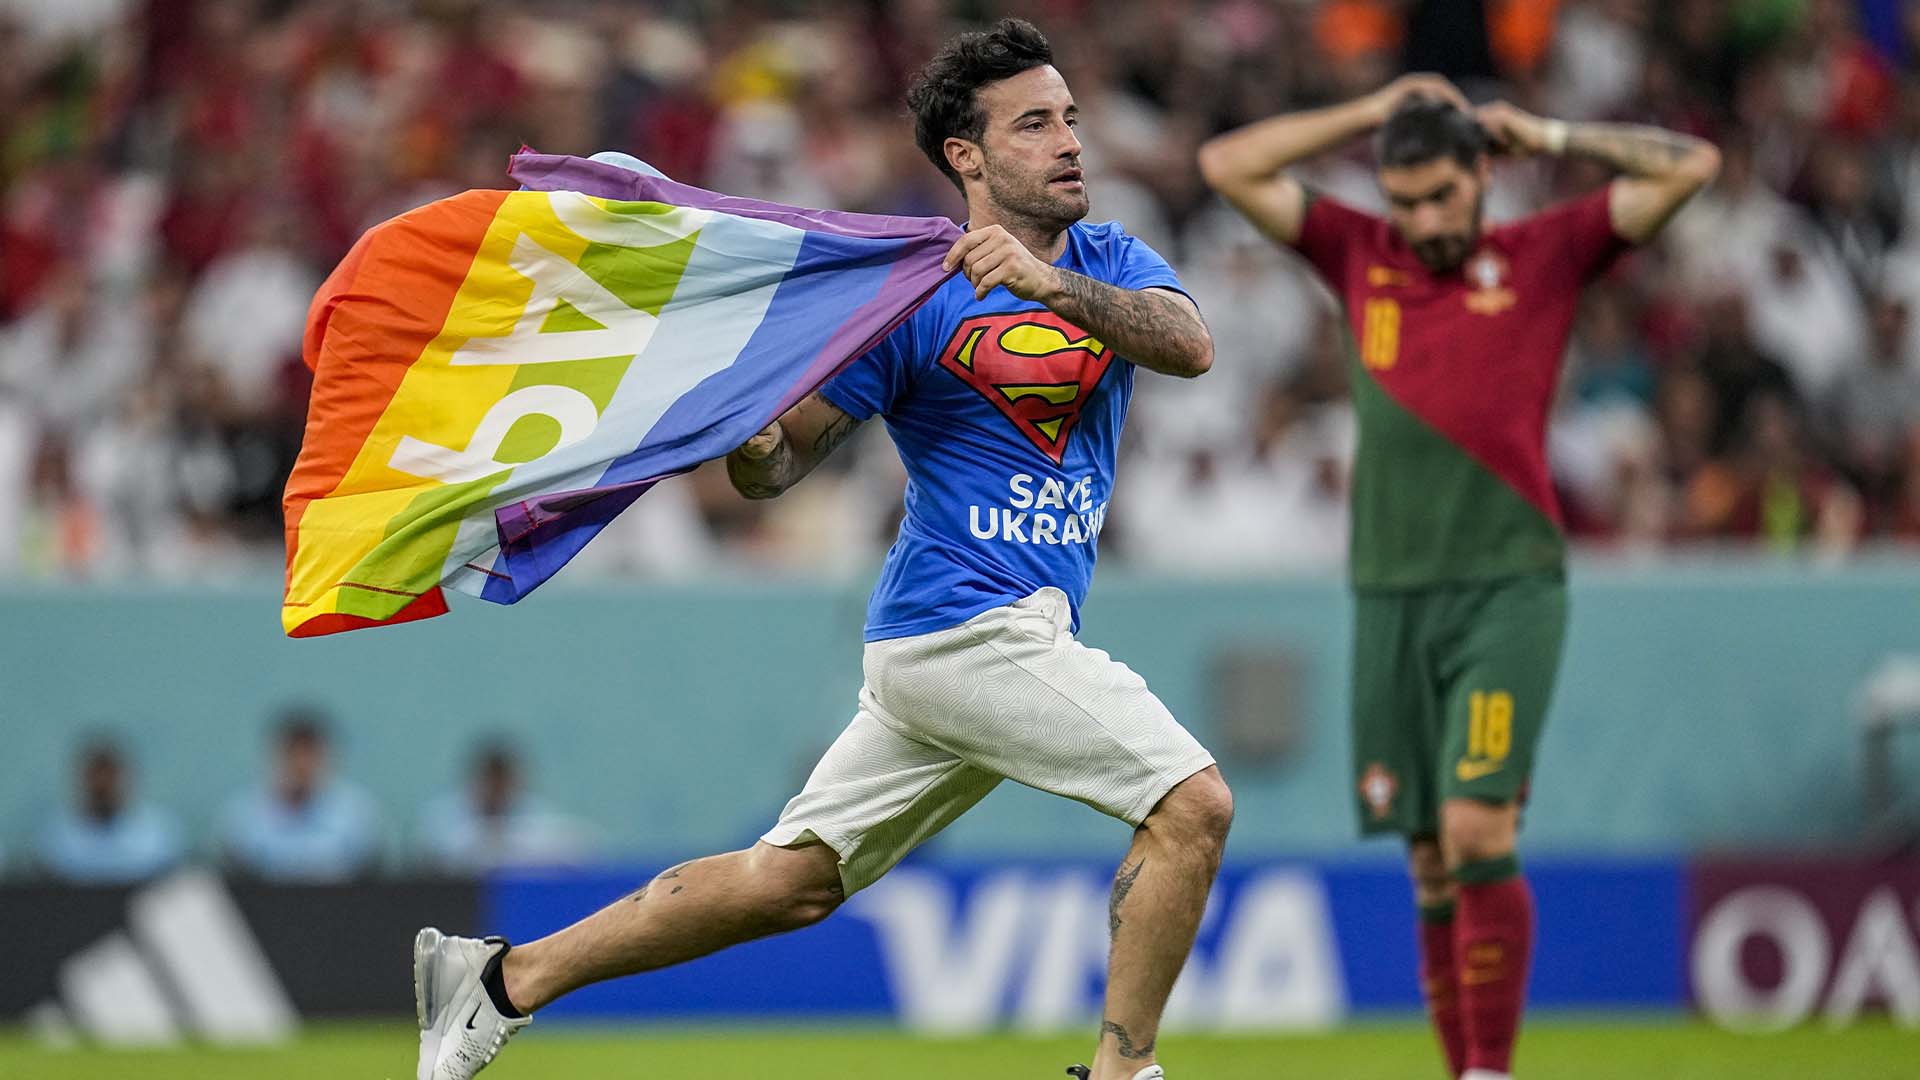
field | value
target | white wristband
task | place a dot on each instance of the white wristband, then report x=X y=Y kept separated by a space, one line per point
x=1555 y=137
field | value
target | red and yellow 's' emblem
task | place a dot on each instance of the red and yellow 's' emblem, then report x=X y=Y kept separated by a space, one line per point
x=1035 y=367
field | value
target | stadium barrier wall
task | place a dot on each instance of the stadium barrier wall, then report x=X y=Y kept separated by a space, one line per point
x=1776 y=942
x=1700 y=708
x=333 y=950
x=964 y=946
x=943 y=946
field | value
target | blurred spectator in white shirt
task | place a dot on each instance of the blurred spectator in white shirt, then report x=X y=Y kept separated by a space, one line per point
x=106 y=836
x=245 y=316
x=1261 y=309
x=63 y=21
x=1274 y=499
x=302 y=823
x=1801 y=305
x=1803 y=308
x=73 y=356
x=1731 y=227
x=1597 y=57
x=494 y=823
x=1874 y=410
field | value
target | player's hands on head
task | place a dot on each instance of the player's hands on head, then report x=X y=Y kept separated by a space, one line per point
x=1514 y=132
x=1419 y=84
x=991 y=257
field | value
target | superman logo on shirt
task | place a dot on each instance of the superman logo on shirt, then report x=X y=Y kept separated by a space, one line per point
x=1035 y=367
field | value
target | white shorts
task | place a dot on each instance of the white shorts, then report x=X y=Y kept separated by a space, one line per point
x=945 y=716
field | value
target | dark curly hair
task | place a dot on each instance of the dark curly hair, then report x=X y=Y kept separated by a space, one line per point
x=1425 y=129
x=943 y=96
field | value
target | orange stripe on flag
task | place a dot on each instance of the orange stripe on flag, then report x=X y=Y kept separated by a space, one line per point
x=378 y=310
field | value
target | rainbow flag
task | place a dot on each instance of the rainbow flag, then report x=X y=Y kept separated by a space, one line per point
x=497 y=374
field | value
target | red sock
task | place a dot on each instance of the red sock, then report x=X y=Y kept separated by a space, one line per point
x=1440 y=983
x=1493 y=941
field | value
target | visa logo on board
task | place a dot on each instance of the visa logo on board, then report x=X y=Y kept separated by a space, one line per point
x=1028 y=948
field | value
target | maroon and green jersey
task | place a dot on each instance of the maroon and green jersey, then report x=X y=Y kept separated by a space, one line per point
x=1452 y=380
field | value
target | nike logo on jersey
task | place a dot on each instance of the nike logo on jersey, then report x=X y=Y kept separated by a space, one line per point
x=1469 y=771
x=1036 y=368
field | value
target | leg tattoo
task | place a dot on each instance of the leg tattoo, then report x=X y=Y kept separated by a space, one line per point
x=1122 y=885
x=1124 y=1041
x=671 y=872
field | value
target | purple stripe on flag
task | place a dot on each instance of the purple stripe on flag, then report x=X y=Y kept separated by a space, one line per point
x=560 y=172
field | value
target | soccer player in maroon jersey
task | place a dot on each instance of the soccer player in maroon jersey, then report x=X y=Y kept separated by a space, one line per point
x=1458 y=552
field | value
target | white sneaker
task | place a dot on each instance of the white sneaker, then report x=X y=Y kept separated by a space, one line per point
x=460 y=1030
x=1151 y=1072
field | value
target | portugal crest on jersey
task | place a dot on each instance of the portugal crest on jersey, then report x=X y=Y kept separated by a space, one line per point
x=1378 y=787
x=1490 y=274
x=1035 y=367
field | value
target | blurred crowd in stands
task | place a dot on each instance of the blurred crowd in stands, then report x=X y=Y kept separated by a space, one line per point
x=177 y=176
x=299 y=822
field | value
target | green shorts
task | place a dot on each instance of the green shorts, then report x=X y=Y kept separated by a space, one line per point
x=1450 y=692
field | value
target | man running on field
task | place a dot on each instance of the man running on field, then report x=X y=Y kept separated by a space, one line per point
x=1458 y=555
x=1005 y=395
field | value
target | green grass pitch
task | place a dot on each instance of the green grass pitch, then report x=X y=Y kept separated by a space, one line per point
x=1558 y=1049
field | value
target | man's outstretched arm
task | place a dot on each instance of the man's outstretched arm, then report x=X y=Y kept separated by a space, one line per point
x=789 y=448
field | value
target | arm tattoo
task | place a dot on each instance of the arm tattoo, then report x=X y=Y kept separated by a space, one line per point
x=1124 y=1042
x=1122 y=885
x=763 y=478
x=833 y=435
x=1634 y=149
x=783 y=468
x=1153 y=331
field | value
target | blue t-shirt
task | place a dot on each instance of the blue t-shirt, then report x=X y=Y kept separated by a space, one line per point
x=1007 y=418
